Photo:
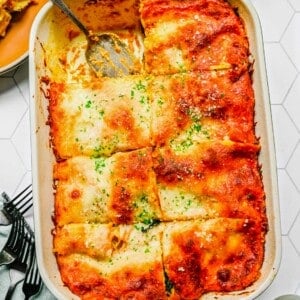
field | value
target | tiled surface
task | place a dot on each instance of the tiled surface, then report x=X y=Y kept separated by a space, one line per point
x=280 y=20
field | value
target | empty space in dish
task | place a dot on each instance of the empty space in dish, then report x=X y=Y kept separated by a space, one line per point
x=43 y=158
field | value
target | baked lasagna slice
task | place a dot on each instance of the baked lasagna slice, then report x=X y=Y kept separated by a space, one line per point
x=119 y=189
x=217 y=255
x=110 y=262
x=5 y=18
x=206 y=106
x=99 y=118
x=220 y=179
x=7 y=9
x=190 y=35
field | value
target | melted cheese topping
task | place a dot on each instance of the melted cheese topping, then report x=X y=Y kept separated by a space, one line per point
x=158 y=189
x=217 y=180
x=119 y=189
x=205 y=35
x=115 y=261
x=215 y=255
x=99 y=120
x=197 y=107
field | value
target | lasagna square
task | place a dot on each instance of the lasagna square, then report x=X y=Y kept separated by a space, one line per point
x=114 y=262
x=215 y=255
x=191 y=35
x=101 y=118
x=119 y=189
x=195 y=107
x=220 y=179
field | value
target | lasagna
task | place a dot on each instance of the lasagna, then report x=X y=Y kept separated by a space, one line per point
x=7 y=9
x=158 y=186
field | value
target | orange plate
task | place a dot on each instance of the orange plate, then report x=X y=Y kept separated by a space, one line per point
x=14 y=46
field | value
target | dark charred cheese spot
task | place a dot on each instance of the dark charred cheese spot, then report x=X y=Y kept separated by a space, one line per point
x=244 y=152
x=73 y=34
x=121 y=205
x=223 y=275
x=75 y=194
x=212 y=160
x=186 y=273
x=172 y=171
x=215 y=112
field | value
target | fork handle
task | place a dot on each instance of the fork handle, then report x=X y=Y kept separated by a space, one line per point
x=11 y=290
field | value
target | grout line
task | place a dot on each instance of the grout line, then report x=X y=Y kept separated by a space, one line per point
x=286 y=169
x=294 y=245
x=292 y=119
x=288 y=23
x=289 y=57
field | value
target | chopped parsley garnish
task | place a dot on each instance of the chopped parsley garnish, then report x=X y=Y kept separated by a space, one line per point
x=146 y=224
x=88 y=104
x=99 y=164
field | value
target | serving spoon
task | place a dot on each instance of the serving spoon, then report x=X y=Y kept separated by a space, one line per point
x=105 y=53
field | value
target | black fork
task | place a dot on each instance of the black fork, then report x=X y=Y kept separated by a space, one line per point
x=13 y=244
x=32 y=283
x=19 y=266
x=21 y=202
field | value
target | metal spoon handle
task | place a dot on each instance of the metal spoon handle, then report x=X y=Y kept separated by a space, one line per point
x=62 y=5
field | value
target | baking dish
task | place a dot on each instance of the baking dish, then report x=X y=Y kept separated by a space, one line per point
x=43 y=158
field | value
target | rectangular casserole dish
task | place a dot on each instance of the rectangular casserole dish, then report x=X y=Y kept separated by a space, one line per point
x=43 y=158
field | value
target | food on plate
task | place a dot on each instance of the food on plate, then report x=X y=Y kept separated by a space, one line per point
x=7 y=9
x=157 y=181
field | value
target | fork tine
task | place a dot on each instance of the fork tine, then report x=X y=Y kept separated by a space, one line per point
x=25 y=206
x=20 y=200
x=14 y=242
x=24 y=254
x=17 y=227
x=20 y=203
x=15 y=199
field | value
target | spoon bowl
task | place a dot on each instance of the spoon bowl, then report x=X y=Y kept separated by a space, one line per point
x=106 y=54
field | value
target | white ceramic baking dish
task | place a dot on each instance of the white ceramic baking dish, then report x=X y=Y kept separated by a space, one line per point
x=43 y=159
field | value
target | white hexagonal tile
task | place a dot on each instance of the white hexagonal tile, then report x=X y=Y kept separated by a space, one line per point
x=289 y=201
x=291 y=40
x=281 y=72
x=292 y=103
x=21 y=140
x=26 y=180
x=13 y=107
x=12 y=168
x=293 y=168
x=286 y=135
x=295 y=233
x=274 y=17
x=295 y=4
x=21 y=78
x=287 y=279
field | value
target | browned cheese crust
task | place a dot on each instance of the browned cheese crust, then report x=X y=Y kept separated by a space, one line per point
x=158 y=187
